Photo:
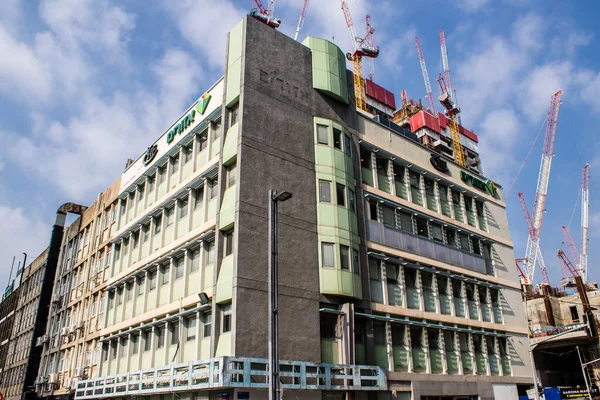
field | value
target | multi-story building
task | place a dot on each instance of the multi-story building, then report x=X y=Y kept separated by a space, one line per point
x=396 y=267
x=21 y=335
x=67 y=354
x=8 y=307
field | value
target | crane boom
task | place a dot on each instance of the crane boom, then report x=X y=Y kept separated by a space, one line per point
x=445 y=62
x=568 y=269
x=350 y=25
x=539 y=204
x=585 y=193
x=429 y=94
x=301 y=19
x=571 y=245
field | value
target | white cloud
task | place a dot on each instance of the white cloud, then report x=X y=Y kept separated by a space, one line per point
x=193 y=21
x=543 y=81
x=528 y=31
x=472 y=5
x=10 y=14
x=499 y=132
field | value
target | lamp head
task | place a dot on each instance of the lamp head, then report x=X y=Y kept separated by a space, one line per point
x=204 y=300
x=283 y=196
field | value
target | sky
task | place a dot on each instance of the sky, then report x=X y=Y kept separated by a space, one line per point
x=87 y=84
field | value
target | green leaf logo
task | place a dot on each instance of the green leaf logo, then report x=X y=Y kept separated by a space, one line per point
x=203 y=103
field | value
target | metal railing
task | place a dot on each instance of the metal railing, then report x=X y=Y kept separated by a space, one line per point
x=232 y=372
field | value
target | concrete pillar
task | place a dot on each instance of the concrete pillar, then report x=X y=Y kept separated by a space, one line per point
x=179 y=170
x=443 y=351
x=390 y=176
x=463 y=208
x=388 y=346
x=402 y=284
x=383 y=273
x=419 y=287
x=374 y=170
x=436 y=294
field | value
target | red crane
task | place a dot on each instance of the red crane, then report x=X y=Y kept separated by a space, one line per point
x=571 y=245
x=524 y=272
x=265 y=15
x=302 y=18
x=429 y=95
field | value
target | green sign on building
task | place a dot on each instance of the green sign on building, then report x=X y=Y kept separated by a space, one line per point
x=487 y=185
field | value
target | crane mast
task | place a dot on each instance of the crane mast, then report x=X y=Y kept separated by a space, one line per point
x=429 y=94
x=445 y=62
x=532 y=252
x=585 y=193
x=362 y=47
x=302 y=18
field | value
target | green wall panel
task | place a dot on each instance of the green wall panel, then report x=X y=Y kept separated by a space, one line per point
x=329 y=351
x=225 y=280
x=227 y=212
x=230 y=145
x=234 y=64
x=328 y=68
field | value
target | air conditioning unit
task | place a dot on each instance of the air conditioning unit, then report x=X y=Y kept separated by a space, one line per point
x=80 y=324
x=80 y=373
x=64 y=331
x=52 y=378
x=41 y=340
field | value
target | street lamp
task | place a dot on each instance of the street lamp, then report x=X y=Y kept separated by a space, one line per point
x=274 y=199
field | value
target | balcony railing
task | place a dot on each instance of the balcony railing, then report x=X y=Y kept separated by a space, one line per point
x=232 y=372
x=393 y=237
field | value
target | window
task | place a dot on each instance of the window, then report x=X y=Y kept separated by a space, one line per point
x=355 y=262
x=174 y=164
x=140 y=285
x=190 y=328
x=135 y=344
x=152 y=280
x=337 y=138
x=348 y=145
x=160 y=337
x=120 y=296
x=464 y=241
x=345 y=257
x=195 y=260
x=113 y=350
x=160 y=173
x=226 y=318
x=416 y=337
x=213 y=188
x=178 y=264
x=372 y=211
x=422 y=227
x=140 y=193
x=322 y=134
x=164 y=273
x=217 y=130
x=228 y=236
x=230 y=175
x=433 y=338
x=202 y=141
x=174 y=333
x=451 y=237
x=389 y=216
x=351 y=200
x=475 y=245
x=378 y=333
x=157 y=224
x=234 y=114
x=147 y=340
x=340 y=192
x=199 y=198
x=129 y=289
x=574 y=313
x=207 y=322
x=436 y=232
x=365 y=158
x=324 y=191
x=327 y=255
x=170 y=216
x=187 y=154
x=210 y=253
x=328 y=325
x=183 y=208
x=146 y=232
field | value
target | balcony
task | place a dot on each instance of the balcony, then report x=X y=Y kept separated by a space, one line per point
x=378 y=232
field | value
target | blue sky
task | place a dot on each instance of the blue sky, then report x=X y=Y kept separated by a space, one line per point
x=86 y=84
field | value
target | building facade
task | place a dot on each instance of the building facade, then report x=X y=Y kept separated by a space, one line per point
x=8 y=308
x=21 y=334
x=396 y=267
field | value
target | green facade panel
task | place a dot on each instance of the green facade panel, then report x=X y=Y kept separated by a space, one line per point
x=225 y=281
x=328 y=68
x=230 y=145
x=227 y=212
x=234 y=64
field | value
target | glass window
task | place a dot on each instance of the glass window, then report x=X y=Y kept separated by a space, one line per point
x=210 y=253
x=328 y=255
x=164 y=273
x=217 y=130
x=135 y=344
x=351 y=200
x=389 y=216
x=146 y=232
x=365 y=158
x=190 y=328
x=230 y=172
x=170 y=216
x=372 y=211
x=234 y=114
x=416 y=337
x=464 y=241
x=160 y=173
x=451 y=237
x=422 y=227
x=228 y=236
x=475 y=245
x=340 y=192
x=436 y=232
x=160 y=337
x=129 y=289
x=226 y=318
x=328 y=325
x=405 y=221
x=213 y=188
x=322 y=134
x=140 y=285
x=195 y=260
x=175 y=333
x=183 y=208
x=152 y=280
x=187 y=154
x=178 y=264
x=324 y=191
x=348 y=145
x=202 y=141
x=379 y=333
x=207 y=322
x=355 y=261
x=337 y=138
x=345 y=257
x=157 y=224
x=174 y=164
x=119 y=295
x=374 y=269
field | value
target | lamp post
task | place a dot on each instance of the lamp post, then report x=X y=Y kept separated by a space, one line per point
x=274 y=199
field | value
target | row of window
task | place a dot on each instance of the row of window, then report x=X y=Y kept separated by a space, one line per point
x=342 y=142
x=348 y=259
x=342 y=196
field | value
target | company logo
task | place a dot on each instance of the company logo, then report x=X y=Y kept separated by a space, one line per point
x=488 y=185
x=438 y=163
x=150 y=154
x=181 y=126
x=203 y=103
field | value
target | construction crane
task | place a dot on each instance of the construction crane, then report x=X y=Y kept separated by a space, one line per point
x=451 y=110
x=523 y=270
x=571 y=245
x=301 y=19
x=371 y=35
x=429 y=95
x=585 y=194
x=362 y=47
x=265 y=15
x=532 y=252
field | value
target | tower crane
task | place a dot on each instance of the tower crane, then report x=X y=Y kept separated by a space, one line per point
x=571 y=245
x=523 y=270
x=532 y=253
x=429 y=95
x=362 y=47
x=265 y=15
x=302 y=18
x=450 y=108
x=585 y=194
